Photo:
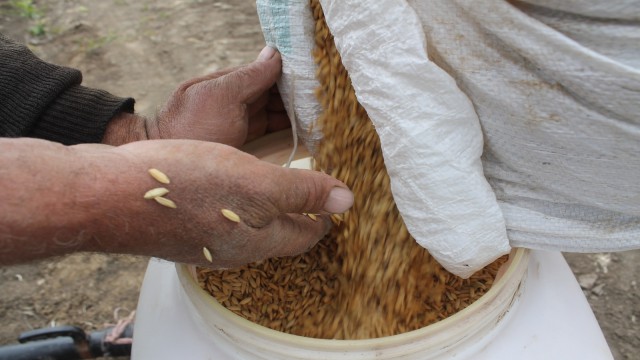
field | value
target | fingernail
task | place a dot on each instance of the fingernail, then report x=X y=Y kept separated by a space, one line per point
x=339 y=201
x=267 y=53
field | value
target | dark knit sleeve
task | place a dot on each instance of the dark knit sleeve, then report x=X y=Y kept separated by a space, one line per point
x=46 y=101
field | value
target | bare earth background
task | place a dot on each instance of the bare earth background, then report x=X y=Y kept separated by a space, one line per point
x=144 y=49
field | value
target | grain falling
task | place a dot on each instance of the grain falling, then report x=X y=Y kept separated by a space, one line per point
x=368 y=277
x=230 y=215
x=159 y=176
x=165 y=202
x=154 y=193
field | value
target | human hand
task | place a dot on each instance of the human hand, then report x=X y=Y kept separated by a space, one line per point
x=206 y=178
x=230 y=106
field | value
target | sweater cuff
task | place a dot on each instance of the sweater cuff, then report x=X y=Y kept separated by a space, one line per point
x=80 y=115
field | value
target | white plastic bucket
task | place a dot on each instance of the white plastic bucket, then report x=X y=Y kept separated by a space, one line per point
x=461 y=333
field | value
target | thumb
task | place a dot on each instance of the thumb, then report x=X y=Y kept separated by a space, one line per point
x=249 y=82
x=307 y=191
x=296 y=191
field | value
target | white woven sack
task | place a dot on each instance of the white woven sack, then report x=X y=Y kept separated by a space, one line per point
x=554 y=86
x=445 y=201
x=289 y=27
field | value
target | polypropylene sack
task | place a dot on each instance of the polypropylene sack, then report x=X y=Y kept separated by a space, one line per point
x=289 y=27
x=556 y=93
x=436 y=173
x=556 y=85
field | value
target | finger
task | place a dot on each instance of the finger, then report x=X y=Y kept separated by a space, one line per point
x=305 y=191
x=257 y=125
x=293 y=234
x=258 y=104
x=249 y=82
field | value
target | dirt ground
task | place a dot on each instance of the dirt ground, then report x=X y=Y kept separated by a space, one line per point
x=144 y=49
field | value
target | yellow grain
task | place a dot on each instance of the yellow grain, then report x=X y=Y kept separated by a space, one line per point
x=165 y=202
x=207 y=254
x=230 y=215
x=153 y=193
x=245 y=301
x=159 y=176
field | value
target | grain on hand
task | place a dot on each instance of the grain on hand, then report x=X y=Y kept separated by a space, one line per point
x=165 y=202
x=159 y=176
x=230 y=215
x=153 y=193
x=207 y=254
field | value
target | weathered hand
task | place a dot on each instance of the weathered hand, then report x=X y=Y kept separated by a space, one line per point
x=91 y=198
x=229 y=106
x=268 y=199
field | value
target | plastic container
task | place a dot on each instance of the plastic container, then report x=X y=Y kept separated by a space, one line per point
x=474 y=326
x=469 y=328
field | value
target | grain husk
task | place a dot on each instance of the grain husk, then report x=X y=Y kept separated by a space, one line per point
x=230 y=215
x=153 y=193
x=165 y=202
x=159 y=176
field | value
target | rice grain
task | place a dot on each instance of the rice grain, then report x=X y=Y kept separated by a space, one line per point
x=165 y=202
x=153 y=193
x=207 y=254
x=159 y=176
x=230 y=215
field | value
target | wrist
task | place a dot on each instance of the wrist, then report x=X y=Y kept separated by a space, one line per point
x=48 y=200
x=120 y=219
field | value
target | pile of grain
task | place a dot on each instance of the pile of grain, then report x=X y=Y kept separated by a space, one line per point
x=368 y=278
